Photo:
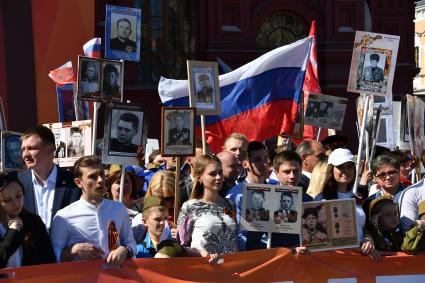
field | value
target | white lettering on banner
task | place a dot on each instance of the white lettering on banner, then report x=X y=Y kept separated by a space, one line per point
x=417 y=278
x=343 y=280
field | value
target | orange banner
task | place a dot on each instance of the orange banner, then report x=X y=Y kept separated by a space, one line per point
x=255 y=266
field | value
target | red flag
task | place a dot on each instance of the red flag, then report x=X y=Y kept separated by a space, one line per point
x=311 y=85
x=64 y=74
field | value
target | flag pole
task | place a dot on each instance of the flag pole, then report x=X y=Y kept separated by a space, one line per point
x=366 y=98
x=96 y=107
x=269 y=240
x=204 y=142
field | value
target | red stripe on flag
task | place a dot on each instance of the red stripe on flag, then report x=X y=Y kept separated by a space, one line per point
x=259 y=124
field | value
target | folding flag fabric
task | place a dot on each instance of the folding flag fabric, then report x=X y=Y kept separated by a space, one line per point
x=311 y=85
x=92 y=48
x=259 y=99
x=64 y=74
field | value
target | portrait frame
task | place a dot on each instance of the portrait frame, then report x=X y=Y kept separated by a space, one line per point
x=131 y=51
x=114 y=151
x=82 y=84
x=268 y=218
x=66 y=153
x=117 y=91
x=206 y=102
x=337 y=218
x=6 y=163
x=173 y=141
x=379 y=80
x=335 y=111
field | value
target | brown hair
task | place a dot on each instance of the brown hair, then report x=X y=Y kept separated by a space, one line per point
x=163 y=181
x=116 y=175
x=200 y=165
x=45 y=134
x=330 y=189
x=86 y=161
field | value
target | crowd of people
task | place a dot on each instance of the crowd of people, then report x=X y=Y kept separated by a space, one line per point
x=51 y=214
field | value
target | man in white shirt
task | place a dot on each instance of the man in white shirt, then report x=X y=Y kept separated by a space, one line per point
x=311 y=152
x=92 y=227
x=47 y=188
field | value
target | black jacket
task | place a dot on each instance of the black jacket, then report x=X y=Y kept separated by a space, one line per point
x=33 y=238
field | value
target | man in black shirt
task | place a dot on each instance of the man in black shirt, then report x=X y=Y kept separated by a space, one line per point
x=122 y=42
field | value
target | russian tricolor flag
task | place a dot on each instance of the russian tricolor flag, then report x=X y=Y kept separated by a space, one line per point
x=92 y=48
x=259 y=99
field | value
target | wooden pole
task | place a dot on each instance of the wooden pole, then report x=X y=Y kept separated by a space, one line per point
x=96 y=106
x=366 y=98
x=204 y=141
x=177 y=194
x=122 y=182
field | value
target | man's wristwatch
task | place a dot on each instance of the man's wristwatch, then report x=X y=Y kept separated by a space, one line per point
x=129 y=251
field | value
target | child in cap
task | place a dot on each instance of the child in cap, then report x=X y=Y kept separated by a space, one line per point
x=155 y=214
x=414 y=241
x=384 y=224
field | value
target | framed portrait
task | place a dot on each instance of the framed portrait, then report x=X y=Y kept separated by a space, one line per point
x=11 y=153
x=112 y=80
x=178 y=131
x=3 y=126
x=72 y=141
x=125 y=132
x=325 y=111
x=373 y=63
x=204 y=89
x=271 y=208
x=123 y=33
x=329 y=225
x=89 y=78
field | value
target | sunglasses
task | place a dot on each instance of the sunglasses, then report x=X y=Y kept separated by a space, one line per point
x=384 y=175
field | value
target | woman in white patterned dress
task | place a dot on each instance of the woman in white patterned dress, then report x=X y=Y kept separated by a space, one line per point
x=206 y=223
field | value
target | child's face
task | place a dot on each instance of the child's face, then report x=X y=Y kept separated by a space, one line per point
x=156 y=222
x=389 y=219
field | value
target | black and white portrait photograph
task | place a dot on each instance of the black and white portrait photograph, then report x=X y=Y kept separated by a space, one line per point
x=373 y=68
x=89 y=75
x=255 y=210
x=60 y=142
x=12 y=151
x=178 y=131
x=75 y=142
x=112 y=80
x=72 y=141
x=125 y=132
x=203 y=87
x=122 y=34
x=286 y=213
x=325 y=111
x=313 y=229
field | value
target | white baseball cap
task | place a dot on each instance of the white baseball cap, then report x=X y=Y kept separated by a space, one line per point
x=340 y=156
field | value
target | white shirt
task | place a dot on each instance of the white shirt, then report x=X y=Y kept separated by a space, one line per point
x=82 y=222
x=409 y=204
x=307 y=174
x=44 y=195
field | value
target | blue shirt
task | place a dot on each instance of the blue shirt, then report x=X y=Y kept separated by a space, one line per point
x=142 y=250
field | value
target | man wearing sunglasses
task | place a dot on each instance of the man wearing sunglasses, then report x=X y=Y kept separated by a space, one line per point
x=386 y=172
x=311 y=153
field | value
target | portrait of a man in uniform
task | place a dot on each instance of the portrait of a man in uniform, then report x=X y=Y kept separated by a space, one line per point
x=179 y=135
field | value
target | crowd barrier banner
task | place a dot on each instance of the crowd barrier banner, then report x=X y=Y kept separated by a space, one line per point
x=273 y=265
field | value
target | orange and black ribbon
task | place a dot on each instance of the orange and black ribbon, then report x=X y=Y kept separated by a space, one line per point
x=112 y=236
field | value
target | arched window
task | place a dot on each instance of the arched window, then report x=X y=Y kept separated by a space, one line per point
x=168 y=39
x=280 y=28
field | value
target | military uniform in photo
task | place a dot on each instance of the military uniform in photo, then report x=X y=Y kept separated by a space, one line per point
x=119 y=147
x=257 y=214
x=126 y=45
x=179 y=136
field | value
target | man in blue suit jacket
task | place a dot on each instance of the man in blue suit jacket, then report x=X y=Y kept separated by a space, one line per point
x=47 y=188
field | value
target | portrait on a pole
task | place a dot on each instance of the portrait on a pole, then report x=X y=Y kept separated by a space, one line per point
x=89 y=76
x=178 y=131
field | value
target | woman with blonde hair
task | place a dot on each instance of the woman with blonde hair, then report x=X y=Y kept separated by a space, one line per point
x=317 y=180
x=206 y=223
